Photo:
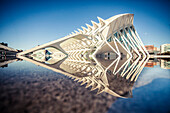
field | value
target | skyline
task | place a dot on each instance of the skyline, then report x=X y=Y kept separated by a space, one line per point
x=45 y=21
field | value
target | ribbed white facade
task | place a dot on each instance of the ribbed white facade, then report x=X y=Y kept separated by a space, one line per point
x=90 y=55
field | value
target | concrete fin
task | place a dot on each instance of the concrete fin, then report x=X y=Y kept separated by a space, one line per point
x=80 y=30
x=100 y=90
x=89 y=27
x=94 y=86
x=84 y=29
x=95 y=25
x=89 y=84
x=76 y=32
x=101 y=21
x=72 y=33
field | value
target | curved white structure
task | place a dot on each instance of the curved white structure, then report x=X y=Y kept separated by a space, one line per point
x=110 y=47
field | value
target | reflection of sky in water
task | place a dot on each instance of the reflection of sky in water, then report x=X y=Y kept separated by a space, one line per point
x=23 y=69
x=152 y=98
x=22 y=66
x=149 y=74
x=27 y=87
x=150 y=95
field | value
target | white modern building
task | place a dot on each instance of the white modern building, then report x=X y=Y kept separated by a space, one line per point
x=94 y=54
x=165 y=48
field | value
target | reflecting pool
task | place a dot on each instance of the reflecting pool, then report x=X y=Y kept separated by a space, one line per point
x=29 y=88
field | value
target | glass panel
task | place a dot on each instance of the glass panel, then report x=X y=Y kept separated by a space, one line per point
x=115 y=34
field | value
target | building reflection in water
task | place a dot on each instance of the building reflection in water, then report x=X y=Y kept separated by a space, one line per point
x=5 y=60
x=164 y=63
x=106 y=72
x=108 y=56
x=7 y=55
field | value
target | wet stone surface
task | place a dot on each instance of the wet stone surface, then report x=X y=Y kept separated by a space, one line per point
x=33 y=89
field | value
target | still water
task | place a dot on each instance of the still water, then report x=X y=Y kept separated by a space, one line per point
x=29 y=88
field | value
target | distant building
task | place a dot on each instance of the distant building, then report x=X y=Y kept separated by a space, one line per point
x=20 y=50
x=4 y=61
x=151 y=49
x=5 y=44
x=7 y=51
x=150 y=64
x=7 y=55
x=165 y=48
x=165 y=64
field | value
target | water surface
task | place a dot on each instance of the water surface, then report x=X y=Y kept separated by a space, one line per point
x=28 y=88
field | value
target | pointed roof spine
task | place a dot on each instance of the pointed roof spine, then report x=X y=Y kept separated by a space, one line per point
x=80 y=31
x=72 y=33
x=84 y=29
x=102 y=22
x=95 y=25
x=89 y=27
x=76 y=32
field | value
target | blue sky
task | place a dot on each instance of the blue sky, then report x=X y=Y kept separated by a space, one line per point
x=27 y=23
